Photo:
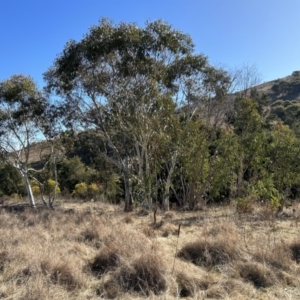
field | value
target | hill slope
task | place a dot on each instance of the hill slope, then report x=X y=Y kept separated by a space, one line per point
x=286 y=88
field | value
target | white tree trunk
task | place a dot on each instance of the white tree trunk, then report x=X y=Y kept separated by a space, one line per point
x=28 y=188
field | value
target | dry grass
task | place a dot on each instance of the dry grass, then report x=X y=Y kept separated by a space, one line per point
x=217 y=246
x=256 y=273
x=145 y=275
x=92 y=251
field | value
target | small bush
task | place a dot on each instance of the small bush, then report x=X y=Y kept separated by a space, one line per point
x=81 y=190
x=257 y=274
x=144 y=275
x=93 y=190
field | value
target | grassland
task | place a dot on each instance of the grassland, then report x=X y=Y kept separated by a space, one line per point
x=94 y=251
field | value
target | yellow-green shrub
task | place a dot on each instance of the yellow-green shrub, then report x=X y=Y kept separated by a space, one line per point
x=35 y=187
x=81 y=189
x=50 y=186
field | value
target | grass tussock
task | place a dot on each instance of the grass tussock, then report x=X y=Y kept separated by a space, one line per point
x=258 y=274
x=295 y=251
x=278 y=257
x=189 y=285
x=145 y=275
x=60 y=273
x=106 y=260
x=210 y=252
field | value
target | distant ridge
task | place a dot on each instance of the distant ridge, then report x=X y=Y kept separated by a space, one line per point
x=286 y=88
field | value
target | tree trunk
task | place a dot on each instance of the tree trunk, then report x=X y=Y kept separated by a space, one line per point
x=28 y=189
x=240 y=180
x=127 y=186
x=166 y=196
x=128 y=199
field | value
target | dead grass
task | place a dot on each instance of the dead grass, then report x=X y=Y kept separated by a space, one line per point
x=106 y=260
x=144 y=275
x=217 y=246
x=95 y=251
x=60 y=273
x=258 y=274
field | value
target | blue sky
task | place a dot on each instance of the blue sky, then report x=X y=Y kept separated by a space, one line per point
x=230 y=32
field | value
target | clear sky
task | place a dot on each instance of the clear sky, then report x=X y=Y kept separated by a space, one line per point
x=230 y=32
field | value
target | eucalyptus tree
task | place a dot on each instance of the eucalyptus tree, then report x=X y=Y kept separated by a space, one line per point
x=114 y=81
x=21 y=105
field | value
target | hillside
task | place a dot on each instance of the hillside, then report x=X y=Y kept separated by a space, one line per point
x=286 y=88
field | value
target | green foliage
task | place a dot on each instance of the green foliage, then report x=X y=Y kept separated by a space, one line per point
x=287 y=90
x=113 y=190
x=50 y=186
x=287 y=111
x=132 y=76
x=155 y=116
x=10 y=181
x=72 y=171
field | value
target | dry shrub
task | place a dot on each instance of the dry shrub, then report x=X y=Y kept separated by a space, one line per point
x=210 y=252
x=295 y=251
x=60 y=273
x=256 y=273
x=144 y=275
x=104 y=261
